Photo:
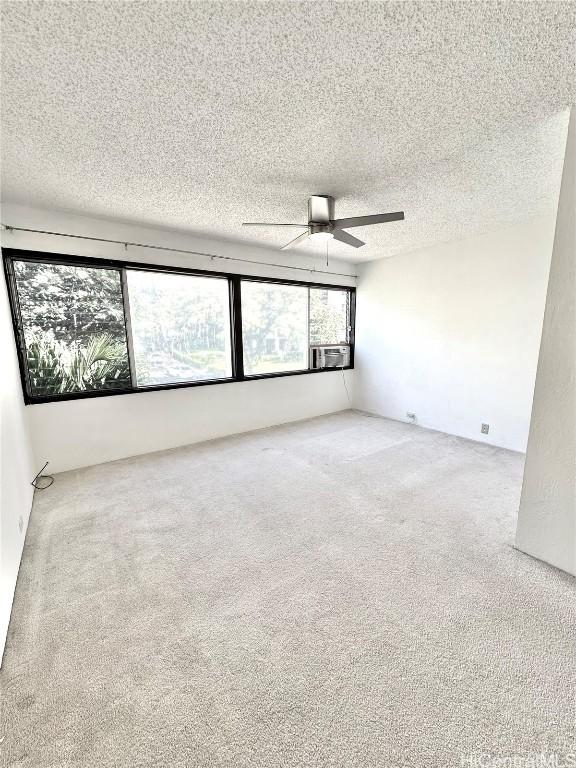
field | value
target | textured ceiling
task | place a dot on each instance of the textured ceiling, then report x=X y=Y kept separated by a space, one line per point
x=199 y=115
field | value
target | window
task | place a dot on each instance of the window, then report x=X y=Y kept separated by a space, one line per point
x=329 y=316
x=280 y=322
x=180 y=327
x=274 y=327
x=73 y=326
x=89 y=327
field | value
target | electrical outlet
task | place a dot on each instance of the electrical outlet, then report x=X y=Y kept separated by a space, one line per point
x=411 y=416
x=485 y=429
x=20 y=523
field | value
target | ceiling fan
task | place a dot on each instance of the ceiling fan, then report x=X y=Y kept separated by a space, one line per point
x=322 y=226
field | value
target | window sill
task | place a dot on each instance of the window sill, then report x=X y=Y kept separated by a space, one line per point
x=39 y=400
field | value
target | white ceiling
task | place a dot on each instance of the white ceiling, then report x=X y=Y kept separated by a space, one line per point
x=200 y=115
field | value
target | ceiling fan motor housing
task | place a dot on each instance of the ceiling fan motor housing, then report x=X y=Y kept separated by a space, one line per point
x=320 y=210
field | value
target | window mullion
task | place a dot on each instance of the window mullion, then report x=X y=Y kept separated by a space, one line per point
x=308 y=329
x=128 y=328
x=236 y=327
x=352 y=324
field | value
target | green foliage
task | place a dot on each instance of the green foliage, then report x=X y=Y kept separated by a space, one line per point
x=45 y=366
x=275 y=321
x=73 y=321
x=54 y=367
x=70 y=303
x=180 y=327
x=328 y=317
x=178 y=312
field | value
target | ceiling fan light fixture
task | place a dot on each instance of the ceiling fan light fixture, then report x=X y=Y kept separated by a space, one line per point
x=320 y=237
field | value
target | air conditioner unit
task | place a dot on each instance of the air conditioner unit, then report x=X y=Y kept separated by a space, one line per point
x=329 y=356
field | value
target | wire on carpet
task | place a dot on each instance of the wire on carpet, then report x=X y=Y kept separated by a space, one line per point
x=41 y=482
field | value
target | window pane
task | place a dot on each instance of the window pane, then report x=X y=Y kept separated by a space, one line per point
x=180 y=327
x=73 y=321
x=329 y=316
x=275 y=327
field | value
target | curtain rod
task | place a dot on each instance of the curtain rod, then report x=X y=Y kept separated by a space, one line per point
x=211 y=256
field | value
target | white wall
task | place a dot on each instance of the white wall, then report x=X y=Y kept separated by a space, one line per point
x=78 y=433
x=17 y=468
x=452 y=333
x=547 y=516
x=83 y=432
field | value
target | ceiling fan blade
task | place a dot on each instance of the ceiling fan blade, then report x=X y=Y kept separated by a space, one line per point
x=296 y=240
x=271 y=224
x=346 y=237
x=364 y=221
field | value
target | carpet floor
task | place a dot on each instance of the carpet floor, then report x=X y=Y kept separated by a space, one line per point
x=337 y=592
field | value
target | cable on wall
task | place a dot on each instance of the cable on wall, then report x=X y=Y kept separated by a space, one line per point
x=211 y=256
x=356 y=410
x=346 y=388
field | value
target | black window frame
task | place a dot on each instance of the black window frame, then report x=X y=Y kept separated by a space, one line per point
x=349 y=321
x=10 y=255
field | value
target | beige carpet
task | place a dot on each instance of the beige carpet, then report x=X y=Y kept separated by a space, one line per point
x=338 y=592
